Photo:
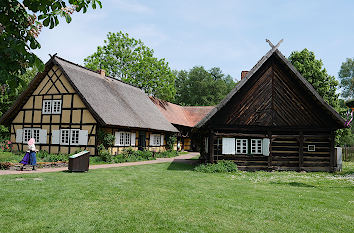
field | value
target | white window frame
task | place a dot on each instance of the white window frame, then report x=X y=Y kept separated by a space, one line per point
x=67 y=133
x=27 y=132
x=51 y=106
x=256 y=146
x=56 y=106
x=156 y=139
x=241 y=146
x=33 y=133
x=124 y=139
x=311 y=148
x=47 y=107
x=74 y=136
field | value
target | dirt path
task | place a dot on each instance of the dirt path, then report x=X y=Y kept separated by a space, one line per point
x=180 y=159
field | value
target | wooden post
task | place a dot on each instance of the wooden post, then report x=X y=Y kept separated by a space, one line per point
x=301 y=150
x=332 y=154
x=211 y=146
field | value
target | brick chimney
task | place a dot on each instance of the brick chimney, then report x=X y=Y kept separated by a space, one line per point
x=102 y=72
x=243 y=74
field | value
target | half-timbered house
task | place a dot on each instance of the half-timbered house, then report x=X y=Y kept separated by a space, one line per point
x=64 y=107
x=184 y=118
x=273 y=119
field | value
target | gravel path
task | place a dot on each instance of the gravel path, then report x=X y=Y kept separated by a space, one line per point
x=180 y=159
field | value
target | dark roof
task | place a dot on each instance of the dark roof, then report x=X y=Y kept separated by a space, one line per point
x=111 y=101
x=181 y=115
x=274 y=51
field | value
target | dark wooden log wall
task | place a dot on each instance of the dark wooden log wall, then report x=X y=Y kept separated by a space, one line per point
x=288 y=151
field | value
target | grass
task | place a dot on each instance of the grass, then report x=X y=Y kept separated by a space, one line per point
x=173 y=198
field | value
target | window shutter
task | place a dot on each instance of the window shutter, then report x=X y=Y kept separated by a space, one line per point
x=152 y=136
x=228 y=146
x=206 y=144
x=132 y=139
x=265 y=146
x=55 y=136
x=162 y=140
x=19 y=134
x=117 y=141
x=42 y=136
x=83 y=137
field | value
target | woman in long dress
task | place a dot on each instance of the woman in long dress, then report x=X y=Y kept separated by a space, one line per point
x=30 y=156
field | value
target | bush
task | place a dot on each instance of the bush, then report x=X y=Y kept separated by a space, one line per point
x=166 y=154
x=95 y=159
x=5 y=146
x=104 y=154
x=171 y=140
x=105 y=138
x=222 y=166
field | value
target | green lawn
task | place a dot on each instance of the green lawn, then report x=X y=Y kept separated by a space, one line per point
x=172 y=198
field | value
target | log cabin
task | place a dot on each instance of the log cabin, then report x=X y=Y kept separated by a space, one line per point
x=184 y=118
x=272 y=120
x=66 y=105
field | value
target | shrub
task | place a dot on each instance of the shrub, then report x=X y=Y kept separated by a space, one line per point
x=166 y=154
x=171 y=139
x=105 y=138
x=104 y=154
x=6 y=146
x=222 y=166
x=95 y=159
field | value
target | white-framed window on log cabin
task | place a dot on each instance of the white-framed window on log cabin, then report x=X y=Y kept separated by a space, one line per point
x=124 y=138
x=311 y=148
x=24 y=135
x=241 y=146
x=51 y=107
x=256 y=146
x=156 y=139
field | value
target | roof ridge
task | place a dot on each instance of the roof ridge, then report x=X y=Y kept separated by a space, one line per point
x=81 y=66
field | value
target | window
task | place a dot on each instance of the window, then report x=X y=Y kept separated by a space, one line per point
x=123 y=139
x=27 y=134
x=74 y=140
x=241 y=146
x=155 y=140
x=34 y=133
x=56 y=107
x=64 y=136
x=256 y=146
x=51 y=107
x=311 y=148
x=47 y=107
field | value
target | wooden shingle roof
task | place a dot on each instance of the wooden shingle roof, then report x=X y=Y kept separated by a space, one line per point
x=304 y=83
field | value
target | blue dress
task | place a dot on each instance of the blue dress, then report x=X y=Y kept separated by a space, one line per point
x=33 y=159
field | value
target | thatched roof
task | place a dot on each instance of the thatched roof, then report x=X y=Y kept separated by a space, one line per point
x=181 y=115
x=307 y=86
x=111 y=101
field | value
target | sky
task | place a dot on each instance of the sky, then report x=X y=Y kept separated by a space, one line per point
x=226 y=34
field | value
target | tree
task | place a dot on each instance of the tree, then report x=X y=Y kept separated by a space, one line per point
x=131 y=61
x=326 y=86
x=311 y=69
x=346 y=76
x=200 y=87
x=20 y=25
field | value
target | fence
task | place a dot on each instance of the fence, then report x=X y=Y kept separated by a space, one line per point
x=348 y=154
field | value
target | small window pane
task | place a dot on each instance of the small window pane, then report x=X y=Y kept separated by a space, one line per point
x=256 y=146
x=127 y=139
